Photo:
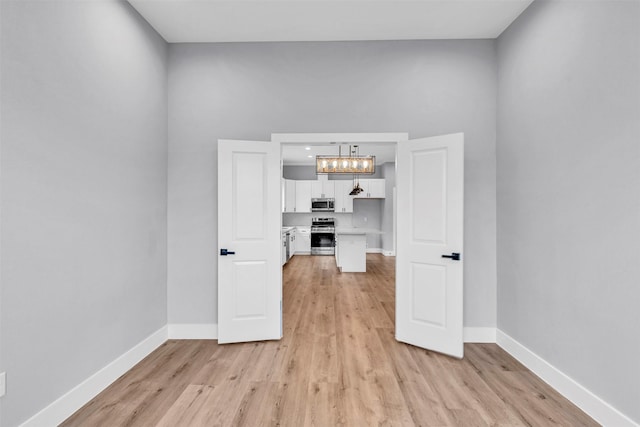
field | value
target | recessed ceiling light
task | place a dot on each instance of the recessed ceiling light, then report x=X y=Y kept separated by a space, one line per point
x=307 y=148
x=311 y=157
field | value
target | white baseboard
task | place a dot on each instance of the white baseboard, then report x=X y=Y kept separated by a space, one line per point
x=67 y=404
x=388 y=253
x=193 y=331
x=374 y=250
x=479 y=335
x=593 y=405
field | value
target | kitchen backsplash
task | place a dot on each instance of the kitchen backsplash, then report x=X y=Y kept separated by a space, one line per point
x=292 y=219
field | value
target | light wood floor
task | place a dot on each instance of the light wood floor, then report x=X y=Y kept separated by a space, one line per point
x=338 y=364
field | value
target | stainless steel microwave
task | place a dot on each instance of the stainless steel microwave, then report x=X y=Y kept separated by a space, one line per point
x=323 y=205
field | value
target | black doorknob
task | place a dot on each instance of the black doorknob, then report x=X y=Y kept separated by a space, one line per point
x=454 y=256
x=224 y=252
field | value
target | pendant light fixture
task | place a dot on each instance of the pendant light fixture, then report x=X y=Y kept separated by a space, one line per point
x=354 y=163
x=356 y=186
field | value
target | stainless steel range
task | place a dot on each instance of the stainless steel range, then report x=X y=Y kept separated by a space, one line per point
x=323 y=236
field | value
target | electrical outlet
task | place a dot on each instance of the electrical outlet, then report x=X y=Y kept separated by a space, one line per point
x=3 y=383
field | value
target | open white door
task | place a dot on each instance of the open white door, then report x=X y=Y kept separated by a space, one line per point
x=430 y=182
x=249 y=270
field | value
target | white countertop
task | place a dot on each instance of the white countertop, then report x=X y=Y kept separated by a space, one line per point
x=357 y=230
x=287 y=229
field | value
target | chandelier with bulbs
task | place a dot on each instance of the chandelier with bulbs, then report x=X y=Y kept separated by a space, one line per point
x=354 y=163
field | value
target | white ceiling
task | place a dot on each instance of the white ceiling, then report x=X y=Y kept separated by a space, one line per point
x=181 y=21
x=298 y=154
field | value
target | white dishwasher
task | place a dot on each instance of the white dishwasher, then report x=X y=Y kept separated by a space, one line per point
x=303 y=240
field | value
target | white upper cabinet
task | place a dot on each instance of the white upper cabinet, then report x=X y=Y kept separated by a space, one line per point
x=289 y=195
x=372 y=189
x=316 y=189
x=328 y=189
x=376 y=188
x=344 y=202
x=298 y=194
x=322 y=189
x=303 y=196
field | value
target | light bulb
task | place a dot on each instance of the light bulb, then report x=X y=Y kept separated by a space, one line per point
x=355 y=164
x=324 y=163
x=335 y=164
x=345 y=163
x=365 y=164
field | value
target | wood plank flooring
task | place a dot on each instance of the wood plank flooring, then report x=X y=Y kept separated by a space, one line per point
x=338 y=364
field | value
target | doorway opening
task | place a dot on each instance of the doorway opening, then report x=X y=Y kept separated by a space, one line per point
x=310 y=200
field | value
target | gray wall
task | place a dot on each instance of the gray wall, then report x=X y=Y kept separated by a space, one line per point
x=309 y=172
x=248 y=91
x=84 y=170
x=568 y=191
x=299 y=172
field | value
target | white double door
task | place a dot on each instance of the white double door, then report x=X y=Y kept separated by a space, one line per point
x=429 y=182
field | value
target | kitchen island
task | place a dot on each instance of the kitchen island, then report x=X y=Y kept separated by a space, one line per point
x=351 y=248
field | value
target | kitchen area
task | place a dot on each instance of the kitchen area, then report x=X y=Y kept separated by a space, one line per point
x=344 y=216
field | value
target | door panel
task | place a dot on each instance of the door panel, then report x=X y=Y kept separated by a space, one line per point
x=428 y=294
x=249 y=196
x=249 y=279
x=429 y=288
x=251 y=290
x=429 y=197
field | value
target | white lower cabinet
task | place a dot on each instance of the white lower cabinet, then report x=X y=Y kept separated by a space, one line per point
x=303 y=240
x=284 y=249
x=351 y=253
x=292 y=242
